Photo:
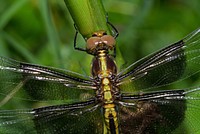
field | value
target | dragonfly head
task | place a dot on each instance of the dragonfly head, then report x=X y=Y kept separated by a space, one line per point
x=100 y=41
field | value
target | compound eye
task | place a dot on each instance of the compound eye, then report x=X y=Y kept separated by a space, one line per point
x=108 y=40
x=92 y=42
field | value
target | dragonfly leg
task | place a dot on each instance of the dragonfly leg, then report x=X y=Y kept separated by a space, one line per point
x=75 y=39
x=116 y=33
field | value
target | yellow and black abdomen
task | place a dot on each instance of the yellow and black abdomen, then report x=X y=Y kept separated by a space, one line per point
x=103 y=68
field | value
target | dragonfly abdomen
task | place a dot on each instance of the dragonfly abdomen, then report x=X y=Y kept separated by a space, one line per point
x=103 y=68
x=110 y=118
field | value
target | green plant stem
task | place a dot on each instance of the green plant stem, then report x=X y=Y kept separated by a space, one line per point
x=89 y=16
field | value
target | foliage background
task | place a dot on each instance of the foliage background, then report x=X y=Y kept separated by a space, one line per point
x=42 y=32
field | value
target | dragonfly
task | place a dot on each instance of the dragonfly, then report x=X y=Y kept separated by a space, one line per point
x=135 y=100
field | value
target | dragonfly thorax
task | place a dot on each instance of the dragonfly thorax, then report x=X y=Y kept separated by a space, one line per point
x=103 y=65
x=103 y=71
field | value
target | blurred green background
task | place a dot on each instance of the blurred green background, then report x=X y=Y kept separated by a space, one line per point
x=42 y=32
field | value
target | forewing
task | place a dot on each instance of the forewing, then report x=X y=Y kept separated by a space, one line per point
x=34 y=82
x=177 y=61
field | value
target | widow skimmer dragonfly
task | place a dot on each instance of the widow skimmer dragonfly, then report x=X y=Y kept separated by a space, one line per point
x=135 y=100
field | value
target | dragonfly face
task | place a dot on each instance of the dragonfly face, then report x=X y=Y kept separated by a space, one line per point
x=100 y=41
x=135 y=100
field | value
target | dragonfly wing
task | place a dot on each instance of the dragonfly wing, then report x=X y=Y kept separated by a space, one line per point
x=17 y=121
x=168 y=111
x=177 y=61
x=84 y=118
x=36 y=82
